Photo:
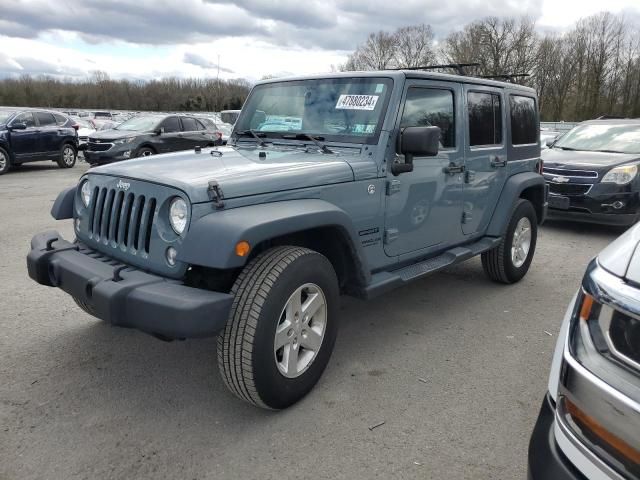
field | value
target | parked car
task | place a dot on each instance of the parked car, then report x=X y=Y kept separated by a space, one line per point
x=222 y=130
x=85 y=130
x=102 y=115
x=592 y=173
x=31 y=135
x=229 y=116
x=148 y=135
x=391 y=176
x=589 y=423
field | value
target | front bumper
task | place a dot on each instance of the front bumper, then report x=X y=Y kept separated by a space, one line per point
x=114 y=154
x=599 y=208
x=546 y=460
x=124 y=296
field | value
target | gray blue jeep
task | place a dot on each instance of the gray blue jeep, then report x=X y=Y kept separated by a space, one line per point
x=350 y=184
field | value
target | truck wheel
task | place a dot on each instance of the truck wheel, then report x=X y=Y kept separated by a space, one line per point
x=510 y=261
x=282 y=327
x=67 y=156
x=86 y=308
x=5 y=162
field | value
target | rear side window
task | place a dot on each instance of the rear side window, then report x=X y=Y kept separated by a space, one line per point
x=60 y=119
x=171 y=124
x=45 y=119
x=425 y=107
x=200 y=125
x=485 y=119
x=189 y=124
x=524 y=125
x=26 y=118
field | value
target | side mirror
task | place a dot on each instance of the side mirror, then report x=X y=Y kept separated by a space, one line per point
x=159 y=131
x=18 y=126
x=420 y=141
x=550 y=142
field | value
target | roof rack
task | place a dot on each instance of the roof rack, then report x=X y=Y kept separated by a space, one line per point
x=509 y=77
x=458 y=67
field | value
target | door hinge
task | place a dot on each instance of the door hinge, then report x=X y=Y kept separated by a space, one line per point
x=390 y=235
x=393 y=186
x=466 y=217
x=469 y=176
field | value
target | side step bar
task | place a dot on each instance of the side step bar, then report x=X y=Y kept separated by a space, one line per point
x=383 y=282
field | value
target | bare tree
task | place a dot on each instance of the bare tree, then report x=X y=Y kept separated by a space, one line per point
x=414 y=46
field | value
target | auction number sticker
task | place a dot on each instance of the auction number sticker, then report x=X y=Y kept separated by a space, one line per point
x=357 y=102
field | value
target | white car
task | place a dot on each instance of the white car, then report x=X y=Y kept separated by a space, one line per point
x=589 y=423
x=85 y=129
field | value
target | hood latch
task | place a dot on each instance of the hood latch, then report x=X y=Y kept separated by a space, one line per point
x=215 y=194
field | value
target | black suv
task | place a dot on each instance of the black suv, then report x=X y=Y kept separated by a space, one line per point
x=592 y=173
x=28 y=135
x=147 y=135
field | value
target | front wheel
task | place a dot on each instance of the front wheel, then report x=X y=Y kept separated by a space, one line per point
x=282 y=327
x=510 y=261
x=145 y=152
x=5 y=162
x=67 y=156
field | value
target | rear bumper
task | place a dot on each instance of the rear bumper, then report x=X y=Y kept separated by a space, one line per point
x=546 y=461
x=124 y=296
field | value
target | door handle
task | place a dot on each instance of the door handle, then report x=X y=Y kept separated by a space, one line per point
x=497 y=162
x=453 y=168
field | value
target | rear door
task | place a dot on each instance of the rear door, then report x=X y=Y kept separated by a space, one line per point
x=424 y=207
x=171 y=139
x=486 y=155
x=193 y=133
x=50 y=138
x=25 y=143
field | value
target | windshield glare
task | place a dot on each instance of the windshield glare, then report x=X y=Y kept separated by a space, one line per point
x=5 y=114
x=603 y=137
x=139 y=124
x=338 y=109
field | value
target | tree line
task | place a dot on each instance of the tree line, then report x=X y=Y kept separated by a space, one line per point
x=593 y=69
x=101 y=92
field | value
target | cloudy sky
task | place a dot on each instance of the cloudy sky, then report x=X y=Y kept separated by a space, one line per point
x=251 y=38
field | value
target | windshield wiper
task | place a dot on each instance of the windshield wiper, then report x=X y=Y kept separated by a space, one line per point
x=568 y=148
x=316 y=140
x=252 y=133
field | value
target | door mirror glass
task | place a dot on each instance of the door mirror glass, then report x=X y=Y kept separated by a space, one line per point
x=420 y=141
x=159 y=131
x=18 y=126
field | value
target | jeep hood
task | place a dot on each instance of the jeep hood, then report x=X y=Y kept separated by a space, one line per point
x=238 y=171
x=556 y=157
x=622 y=257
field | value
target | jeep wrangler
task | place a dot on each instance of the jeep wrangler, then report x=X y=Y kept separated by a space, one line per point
x=336 y=184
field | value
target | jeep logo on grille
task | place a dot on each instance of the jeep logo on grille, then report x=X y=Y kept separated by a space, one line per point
x=560 y=179
x=123 y=185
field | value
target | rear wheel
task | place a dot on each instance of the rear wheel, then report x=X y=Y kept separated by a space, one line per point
x=282 y=327
x=67 y=156
x=5 y=162
x=510 y=261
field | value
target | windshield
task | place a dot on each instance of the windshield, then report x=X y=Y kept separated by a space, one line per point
x=5 y=115
x=339 y=109
x=139 y=124
x=603 y=137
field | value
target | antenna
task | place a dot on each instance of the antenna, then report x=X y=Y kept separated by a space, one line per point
x=458 y=67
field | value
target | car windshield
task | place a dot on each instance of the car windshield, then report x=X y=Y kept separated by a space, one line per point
x=139 y=124
x=603 y=137
x=5 y=115
x=337 y=109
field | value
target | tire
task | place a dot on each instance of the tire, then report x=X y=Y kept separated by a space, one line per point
x=86 y=308
x=499 y=264
x=5 y=161
x=145 y=152
x=68 y=155
x=251 y=364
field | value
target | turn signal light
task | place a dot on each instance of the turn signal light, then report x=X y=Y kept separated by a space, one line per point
x=587 y=306
x=242 y=248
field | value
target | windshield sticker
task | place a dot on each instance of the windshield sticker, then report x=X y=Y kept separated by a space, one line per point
x=379 y=87
x=357 y=102
x=362 y=128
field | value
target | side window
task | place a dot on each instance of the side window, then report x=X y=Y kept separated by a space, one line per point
x=524 y=125
x=171 y=125
x=425 y=107
x=26 y=118
x=60 y=119
x=200 y=125
x=485 y=119
x=45 y=119
x=189 y=124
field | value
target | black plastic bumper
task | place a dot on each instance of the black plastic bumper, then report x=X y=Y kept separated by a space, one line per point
x=124 y=296
x=620 y=219
x=546 y=461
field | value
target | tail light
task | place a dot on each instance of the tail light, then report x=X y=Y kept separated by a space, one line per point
x=76 y=127
x=218 y=135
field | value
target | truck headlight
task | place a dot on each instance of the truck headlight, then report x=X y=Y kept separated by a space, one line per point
x=178 y=213
x=85 y=193
x=621 y=175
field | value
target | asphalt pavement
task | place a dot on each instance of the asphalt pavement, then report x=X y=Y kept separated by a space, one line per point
x=454 y=365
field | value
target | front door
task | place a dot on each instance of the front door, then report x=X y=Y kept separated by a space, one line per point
x=486 y=156
x=25 y=143
x=171 y=139
x=424 y=207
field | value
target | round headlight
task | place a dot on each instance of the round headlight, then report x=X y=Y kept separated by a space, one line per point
x=178 y=215
x=85 y=193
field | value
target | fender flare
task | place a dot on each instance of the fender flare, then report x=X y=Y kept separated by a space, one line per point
x=63 y=206
x=211 y=240
x=511 y=192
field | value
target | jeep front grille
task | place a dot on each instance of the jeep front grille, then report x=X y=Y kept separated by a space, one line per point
x=121 y=219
